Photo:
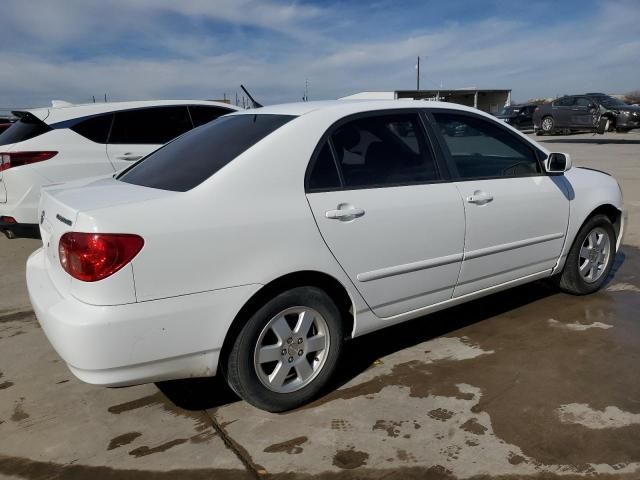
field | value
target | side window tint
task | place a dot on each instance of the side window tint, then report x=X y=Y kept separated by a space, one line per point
x=156 y=125
x=384 y=150
x=324 y=174
x=564 y=102
x=481 y=149
x=201 y=114
x=583 y=102
x=95 y=128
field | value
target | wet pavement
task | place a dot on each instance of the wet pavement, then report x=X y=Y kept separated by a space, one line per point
x=528 y=383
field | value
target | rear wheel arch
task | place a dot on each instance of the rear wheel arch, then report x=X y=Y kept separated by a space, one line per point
x=307 y=278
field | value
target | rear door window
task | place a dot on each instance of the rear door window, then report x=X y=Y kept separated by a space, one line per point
x=28 y=126
x=201 y=114
x=153 y=126
x=563 y=102
x=95 y=128
x=384 y=150
x=193 y=158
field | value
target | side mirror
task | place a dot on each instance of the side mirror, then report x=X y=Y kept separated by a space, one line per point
x=557 y=162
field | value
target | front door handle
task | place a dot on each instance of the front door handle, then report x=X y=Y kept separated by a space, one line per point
x=345 y=213
x=479 y=198
x=130 y=157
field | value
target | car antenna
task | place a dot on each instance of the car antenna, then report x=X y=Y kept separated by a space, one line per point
x=254 y=104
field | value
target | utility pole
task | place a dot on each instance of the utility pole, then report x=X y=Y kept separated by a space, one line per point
x=418 y=75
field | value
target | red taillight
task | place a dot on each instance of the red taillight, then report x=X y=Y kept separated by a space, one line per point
x=537 y=109
x=17 y=159
x=8 y=219
x=93 y=256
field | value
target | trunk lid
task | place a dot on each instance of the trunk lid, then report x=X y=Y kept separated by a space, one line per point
x=63 y=209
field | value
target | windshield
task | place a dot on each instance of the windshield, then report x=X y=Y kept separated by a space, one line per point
x=193 y=157
x=610 y=101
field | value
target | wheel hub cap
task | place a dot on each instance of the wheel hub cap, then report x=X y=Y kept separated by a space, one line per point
x=291 y=349
x=594 y=255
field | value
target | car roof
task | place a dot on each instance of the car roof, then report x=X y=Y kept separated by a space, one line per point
x=347 y=107
x=62 y=113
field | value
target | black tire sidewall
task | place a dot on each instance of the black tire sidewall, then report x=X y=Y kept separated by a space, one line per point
x=571 y=278
x=241 y=373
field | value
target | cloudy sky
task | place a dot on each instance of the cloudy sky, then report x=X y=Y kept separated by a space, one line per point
x=143 y=49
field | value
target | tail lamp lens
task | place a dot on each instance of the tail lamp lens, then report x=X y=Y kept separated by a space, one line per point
x=94 y=256
x=17 y=159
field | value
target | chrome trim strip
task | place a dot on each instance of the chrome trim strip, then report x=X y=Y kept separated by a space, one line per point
x=409 y=267
x=482 y=252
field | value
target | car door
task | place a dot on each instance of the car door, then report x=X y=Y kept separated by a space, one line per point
x=136 y=133
x=582 y=112
x=561 y=111
x=385 y=211
x=516 y=215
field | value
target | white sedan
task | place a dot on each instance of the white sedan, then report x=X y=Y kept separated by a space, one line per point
x=254 y=245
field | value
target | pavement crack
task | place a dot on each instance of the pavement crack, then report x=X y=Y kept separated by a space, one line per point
x=257 y=471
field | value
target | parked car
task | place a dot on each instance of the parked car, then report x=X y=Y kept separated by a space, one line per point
x=520 y=116
x=58 y=144
x=254 y=245
x=5 y=122
x=583 y=112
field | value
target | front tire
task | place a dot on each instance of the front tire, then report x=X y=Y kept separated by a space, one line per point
x=287 y=351
x=591 y=257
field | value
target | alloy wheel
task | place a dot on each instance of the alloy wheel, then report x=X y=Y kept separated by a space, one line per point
x=291 y=349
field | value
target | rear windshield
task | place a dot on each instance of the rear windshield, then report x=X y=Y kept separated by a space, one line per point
x=192 y=158
x=24 y=129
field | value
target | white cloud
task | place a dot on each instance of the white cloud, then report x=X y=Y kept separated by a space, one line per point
x=129 y=50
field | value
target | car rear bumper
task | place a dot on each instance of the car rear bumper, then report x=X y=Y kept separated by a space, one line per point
x=19 y=230
x=165 y=339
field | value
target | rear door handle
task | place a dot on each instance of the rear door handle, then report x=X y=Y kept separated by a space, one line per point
x=130 y=157
x=345 y=213
x=479 y=198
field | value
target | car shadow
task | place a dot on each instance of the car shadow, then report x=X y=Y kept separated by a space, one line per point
x=360 y=353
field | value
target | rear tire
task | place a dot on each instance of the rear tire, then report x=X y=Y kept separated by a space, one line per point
x=287 y=351
x=548 y=124
x=591 y=257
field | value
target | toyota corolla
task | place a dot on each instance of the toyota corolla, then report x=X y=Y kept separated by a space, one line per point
x=254 y=245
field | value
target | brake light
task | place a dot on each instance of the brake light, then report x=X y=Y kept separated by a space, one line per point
x=17 y=159
x=537 y=109
x=8 y=219
x=94 y=256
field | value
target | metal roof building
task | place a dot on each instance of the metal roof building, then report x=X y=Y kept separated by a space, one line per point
x=488 y=100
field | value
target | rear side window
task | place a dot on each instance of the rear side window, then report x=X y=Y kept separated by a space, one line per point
x=201 y=114
x=324 y=175
x=27 y=127
x=152 y=126
x=563 y=102
x=191 y=159
x=95 y=128
x=384 y=150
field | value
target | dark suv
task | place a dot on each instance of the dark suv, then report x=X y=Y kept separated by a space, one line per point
x=590 y=111
x=520 y=116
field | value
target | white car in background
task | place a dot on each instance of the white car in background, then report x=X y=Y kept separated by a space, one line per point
x=289 y=228
x=68 y=142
